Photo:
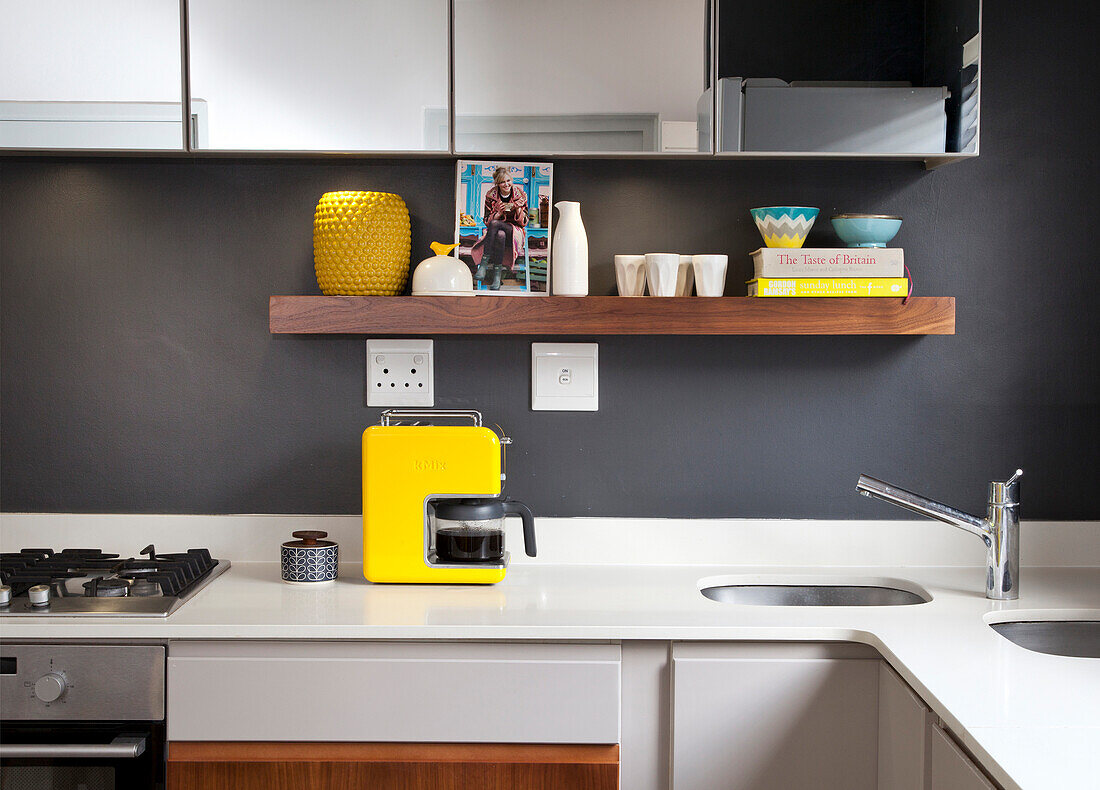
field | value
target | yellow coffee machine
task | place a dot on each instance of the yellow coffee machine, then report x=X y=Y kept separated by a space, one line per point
x=432 y=505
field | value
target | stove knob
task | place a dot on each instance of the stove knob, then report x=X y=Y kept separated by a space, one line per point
x=39 y=595
x=50 y=687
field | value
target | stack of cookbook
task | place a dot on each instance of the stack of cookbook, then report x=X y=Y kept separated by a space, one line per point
x=851 y=271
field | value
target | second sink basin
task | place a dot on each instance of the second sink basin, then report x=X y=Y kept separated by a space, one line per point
x=798 y=592
x=1076 y=638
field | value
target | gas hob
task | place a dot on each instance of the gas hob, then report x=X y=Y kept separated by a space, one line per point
x=89 y=582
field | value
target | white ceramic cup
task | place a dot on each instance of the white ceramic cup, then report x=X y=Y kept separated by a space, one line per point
x=710 y=274
x=685 y=276
x=661 y=271
x=630 y=274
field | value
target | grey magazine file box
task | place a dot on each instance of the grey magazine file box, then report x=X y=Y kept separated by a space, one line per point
x=844 y=118
x=730 y=101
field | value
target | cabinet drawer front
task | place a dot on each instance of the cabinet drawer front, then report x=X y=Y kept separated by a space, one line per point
x=393 y=693
x=390 y=776
x=283 y=766
x=950 y=768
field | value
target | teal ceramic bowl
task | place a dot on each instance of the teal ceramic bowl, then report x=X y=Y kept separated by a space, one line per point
x=866 y=230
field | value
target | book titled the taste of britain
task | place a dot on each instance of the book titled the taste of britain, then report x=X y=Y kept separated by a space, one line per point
x=848 y=262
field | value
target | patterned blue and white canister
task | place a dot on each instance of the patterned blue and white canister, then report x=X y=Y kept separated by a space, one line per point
x=309 y=560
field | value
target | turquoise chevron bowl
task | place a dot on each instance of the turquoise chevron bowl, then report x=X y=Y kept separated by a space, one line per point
x=784 y=226
x=866 y=230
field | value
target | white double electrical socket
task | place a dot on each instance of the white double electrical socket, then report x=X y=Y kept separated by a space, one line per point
x=400 y=373
x=565 y=377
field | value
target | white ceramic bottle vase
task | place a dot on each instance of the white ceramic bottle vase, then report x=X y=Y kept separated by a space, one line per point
x=569 y=252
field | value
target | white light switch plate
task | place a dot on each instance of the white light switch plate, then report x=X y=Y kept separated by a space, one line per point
x=565 y=377
x=400 y=373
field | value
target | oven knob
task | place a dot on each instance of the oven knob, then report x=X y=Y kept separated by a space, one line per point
x=39 y=595
x=50 y=687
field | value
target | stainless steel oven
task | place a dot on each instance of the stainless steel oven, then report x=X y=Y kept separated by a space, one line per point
x=82 y=717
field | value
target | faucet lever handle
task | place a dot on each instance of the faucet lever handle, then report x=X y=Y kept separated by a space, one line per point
x=1005 y=493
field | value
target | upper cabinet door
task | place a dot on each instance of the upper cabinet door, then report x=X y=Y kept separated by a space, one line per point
x=80 y=75
x=569 y=76
x=326 y=75
x=863 y=77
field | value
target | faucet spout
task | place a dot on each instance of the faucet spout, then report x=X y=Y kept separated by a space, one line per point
x=879 y=489
x=1000 y=531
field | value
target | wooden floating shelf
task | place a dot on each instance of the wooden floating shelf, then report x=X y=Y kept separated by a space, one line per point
x=610 y=315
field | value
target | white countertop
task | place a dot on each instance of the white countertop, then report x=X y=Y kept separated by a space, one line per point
x=1033 y=720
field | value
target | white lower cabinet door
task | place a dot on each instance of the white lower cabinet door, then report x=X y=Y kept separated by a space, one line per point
x=903 y=721
x=949 y=768
x=774 y=717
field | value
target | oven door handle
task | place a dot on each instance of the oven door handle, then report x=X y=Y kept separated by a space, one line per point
x=123 y=747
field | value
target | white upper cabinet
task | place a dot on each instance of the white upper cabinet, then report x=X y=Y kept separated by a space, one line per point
x=785 y=79
x=571 y=76
x=81 y=75
x=328 y=75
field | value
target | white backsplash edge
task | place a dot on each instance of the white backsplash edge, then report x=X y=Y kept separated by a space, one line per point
x=583 y=541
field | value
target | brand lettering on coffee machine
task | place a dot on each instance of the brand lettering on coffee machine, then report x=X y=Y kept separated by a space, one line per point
x=430 y=465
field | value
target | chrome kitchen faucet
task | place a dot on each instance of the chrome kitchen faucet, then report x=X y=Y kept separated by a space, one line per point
x=1000 y=529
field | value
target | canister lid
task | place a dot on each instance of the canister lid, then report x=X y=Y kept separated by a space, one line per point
x=309 y=539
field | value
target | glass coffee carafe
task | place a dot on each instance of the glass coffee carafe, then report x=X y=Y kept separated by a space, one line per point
x=472 y=530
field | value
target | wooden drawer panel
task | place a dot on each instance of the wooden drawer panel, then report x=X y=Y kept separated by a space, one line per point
x=319 y=766
x=393 y=692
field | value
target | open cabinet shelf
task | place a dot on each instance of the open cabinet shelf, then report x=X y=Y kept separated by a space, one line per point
x=609 y=315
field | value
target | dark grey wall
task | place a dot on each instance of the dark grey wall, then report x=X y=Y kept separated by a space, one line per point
x=138 y=373
x=838 y=40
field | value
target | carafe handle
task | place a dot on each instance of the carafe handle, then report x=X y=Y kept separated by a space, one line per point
x=513 y=507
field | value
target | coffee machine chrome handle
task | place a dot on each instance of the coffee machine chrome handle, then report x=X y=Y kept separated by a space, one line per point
x=393 y=416
x=514 y=508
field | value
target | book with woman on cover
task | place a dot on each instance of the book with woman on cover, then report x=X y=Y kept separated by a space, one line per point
x=502 y=225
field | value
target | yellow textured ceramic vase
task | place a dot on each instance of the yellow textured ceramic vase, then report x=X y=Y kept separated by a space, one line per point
x=361 y=244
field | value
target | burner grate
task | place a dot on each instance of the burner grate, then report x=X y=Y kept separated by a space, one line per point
x=174 y=574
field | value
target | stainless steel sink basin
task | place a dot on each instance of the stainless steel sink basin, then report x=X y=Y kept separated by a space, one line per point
x=1077 y=638
x=812 y=595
